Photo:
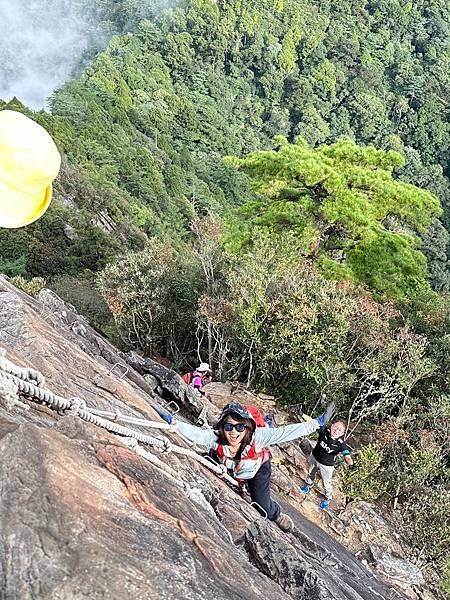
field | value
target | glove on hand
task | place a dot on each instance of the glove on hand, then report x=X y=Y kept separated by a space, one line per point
x=166 y=416
x=351 y=467
x=327 y=415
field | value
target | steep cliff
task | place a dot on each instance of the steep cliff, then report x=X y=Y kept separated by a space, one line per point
x=83 y=515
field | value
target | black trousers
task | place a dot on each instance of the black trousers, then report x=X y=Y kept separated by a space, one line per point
x=259 y=489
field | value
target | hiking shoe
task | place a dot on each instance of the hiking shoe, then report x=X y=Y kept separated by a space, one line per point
x=305 y=489
x=324 y=504
x=284 y=522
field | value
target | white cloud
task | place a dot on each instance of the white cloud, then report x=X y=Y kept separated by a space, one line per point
x=41 y=42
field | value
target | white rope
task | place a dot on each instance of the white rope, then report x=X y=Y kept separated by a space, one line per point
x=77 y=406
x=118 y=416
x=172 y=474
x=80 y=409
x=194 y=494
x=22 y=372
x=9 y=394
x=43 y=395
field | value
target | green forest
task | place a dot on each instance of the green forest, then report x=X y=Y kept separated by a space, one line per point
x=266 y=184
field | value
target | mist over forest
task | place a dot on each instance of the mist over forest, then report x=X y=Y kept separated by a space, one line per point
x=41 y=44
x=46 y=42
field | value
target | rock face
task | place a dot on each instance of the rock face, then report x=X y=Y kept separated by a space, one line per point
x=307 y=565
x=84 y=517
x=398 y=569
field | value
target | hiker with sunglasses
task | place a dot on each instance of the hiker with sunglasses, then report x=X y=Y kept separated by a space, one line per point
x=242 y=448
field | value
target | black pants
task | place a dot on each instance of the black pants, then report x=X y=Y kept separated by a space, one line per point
x=259 y=488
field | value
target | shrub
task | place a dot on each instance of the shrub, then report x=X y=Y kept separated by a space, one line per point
x=364 y=483
x=152 y=296
x=426 y=512
x=83 y=295
x=445 y=581
x=30 y=286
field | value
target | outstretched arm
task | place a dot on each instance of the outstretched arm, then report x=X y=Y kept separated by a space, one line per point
x=202 y=437
x=269 y=437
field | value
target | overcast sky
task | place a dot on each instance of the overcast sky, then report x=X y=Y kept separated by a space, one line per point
x=40 y=43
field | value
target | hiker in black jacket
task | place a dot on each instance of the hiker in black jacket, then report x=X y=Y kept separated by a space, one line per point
x=322 y=457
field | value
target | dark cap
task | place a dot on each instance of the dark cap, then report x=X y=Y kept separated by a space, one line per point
x=234 y=408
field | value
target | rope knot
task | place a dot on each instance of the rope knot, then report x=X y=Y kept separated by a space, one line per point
x=222 y=471
x=77 y=405
x=131 y=443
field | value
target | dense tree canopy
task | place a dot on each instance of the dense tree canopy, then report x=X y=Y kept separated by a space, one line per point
x=350 y=214
x=145 y=126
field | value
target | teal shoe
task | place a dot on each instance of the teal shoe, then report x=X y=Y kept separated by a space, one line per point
x=324 y=504
x=305 y=489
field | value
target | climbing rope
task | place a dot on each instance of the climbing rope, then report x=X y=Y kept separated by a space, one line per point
x=118 y=416
x=9 y=394
x=16 y=380
x=22 y=372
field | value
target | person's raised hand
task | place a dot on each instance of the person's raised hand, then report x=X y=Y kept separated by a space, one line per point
x=326 y=417
x=166 y=416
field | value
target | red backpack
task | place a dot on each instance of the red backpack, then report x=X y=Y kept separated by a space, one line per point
x=256 y=414
x=187 y=377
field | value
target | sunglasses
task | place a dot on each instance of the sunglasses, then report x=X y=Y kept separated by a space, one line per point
x=240 y=427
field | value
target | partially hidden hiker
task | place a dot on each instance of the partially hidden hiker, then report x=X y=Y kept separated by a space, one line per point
x=196 y=379
x=243 y=450
x=260 y=419
x=270 y=421
x=322 y=458
x=29 y=162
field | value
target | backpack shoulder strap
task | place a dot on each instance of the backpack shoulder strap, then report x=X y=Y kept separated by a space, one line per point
x=252 y=453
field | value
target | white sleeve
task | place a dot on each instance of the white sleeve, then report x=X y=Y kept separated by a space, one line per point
x=268 y=437
x=202 y=437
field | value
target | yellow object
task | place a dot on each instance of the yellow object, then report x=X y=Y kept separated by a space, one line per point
x=29 y=162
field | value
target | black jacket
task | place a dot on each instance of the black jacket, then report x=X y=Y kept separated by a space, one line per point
x=327 y=448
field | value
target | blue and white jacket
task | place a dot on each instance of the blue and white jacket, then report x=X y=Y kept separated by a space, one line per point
x=253 y=455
